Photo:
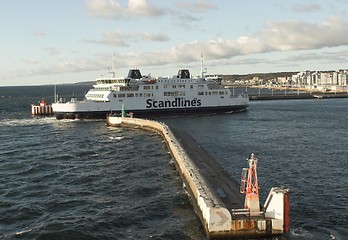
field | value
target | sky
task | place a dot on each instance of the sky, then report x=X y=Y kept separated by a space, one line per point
x=63 y=41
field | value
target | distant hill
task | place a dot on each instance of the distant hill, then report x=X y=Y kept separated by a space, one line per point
x=264 y=76
x=90 y=83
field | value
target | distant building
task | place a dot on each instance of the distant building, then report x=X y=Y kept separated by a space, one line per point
x=320 y=79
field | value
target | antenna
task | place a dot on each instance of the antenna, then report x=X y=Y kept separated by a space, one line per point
x=112 y=65
x=202 y=72
x=55 y=94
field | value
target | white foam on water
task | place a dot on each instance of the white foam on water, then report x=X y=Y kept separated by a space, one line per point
x=116 y=138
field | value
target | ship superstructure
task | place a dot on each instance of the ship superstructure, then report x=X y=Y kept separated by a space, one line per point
x=145 y=96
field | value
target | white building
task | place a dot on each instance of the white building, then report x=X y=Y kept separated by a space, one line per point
x=321 y=80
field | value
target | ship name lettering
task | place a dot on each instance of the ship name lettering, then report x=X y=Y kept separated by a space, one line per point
x=177 y=102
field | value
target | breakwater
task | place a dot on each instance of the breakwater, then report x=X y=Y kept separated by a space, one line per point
x=254 y=97
x=212 y=192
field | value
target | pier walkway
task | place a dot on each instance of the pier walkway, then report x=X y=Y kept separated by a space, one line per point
x=218 y=179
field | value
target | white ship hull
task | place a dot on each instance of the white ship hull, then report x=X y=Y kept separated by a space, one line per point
x=165 y=97
x=146 y=108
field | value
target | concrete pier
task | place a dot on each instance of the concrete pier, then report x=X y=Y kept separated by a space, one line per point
x=256 y=97
x=215 y=195
x=42 y=108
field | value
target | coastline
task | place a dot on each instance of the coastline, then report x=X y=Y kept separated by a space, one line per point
x=284 y=93
x=255 y=97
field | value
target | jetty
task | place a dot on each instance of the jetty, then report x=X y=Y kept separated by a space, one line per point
x=42 y=109
x=307 y=95
x=225 y=208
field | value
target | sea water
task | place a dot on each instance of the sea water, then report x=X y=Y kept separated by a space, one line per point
x=72 y=179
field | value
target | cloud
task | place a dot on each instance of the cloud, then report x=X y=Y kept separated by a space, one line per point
x=154 y=37
x=51 y=51
x=306 y=7
x=31 y=61
x=39 y=34
x=196 y=6
x=74 y=66
x=328 y=56
x=296 y=35
x=275 y=37
x=113 y=10
x=121 y=39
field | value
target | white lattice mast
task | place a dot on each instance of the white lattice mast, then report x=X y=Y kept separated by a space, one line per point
x=203 y=71
x=112 y=71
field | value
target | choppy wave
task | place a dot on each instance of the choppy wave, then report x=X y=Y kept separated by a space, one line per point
x=34 y=121
x=84 y=180
x=81 y=180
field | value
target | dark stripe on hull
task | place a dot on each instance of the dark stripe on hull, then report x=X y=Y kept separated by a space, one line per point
x=154 y=113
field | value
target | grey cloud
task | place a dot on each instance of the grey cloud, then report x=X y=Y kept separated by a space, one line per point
x=121 y=39
x=113 y=10
x=277 y=36
x=307 y=7
x=196 y=6
x=296 y=35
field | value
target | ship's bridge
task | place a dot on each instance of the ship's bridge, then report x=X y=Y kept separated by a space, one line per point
x=133 y=74
x=111 y=81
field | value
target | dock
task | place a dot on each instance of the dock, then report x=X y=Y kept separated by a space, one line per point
x=307 y=95
x=42 y=109
x=216 y=197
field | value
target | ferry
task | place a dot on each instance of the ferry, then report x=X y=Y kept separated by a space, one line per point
x=145 y=96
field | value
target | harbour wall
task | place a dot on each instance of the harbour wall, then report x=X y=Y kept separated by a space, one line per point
x=41 y=110
x=218 y=220
x=255 y=97
x=211 y=210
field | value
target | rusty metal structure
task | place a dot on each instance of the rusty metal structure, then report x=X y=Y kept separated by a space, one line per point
x=250 y=187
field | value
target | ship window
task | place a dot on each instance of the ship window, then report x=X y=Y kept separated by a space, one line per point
x=221 y=93
x=181 y=86
x=215 y=93
x=121 y=95
x=174 y=94
x=200 y=93
x=174 y=86
x=206 y=93
x=147 y=94
x=130 y=95
x=165 y=86
x=156 y=87
x=136 y=95
x=147 y=88
x=115 y=95
x=140 y=94
x=201 y=86
x=191 y=86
